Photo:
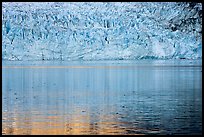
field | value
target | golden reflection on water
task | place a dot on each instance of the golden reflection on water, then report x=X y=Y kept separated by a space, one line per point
x=76 y=125
x=101 y=101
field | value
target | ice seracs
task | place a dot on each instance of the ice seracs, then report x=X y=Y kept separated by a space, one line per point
x=98 y=30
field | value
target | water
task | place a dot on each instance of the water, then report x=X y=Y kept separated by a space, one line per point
x=102 y=97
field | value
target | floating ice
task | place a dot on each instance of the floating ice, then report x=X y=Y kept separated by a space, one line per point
x=97 y=31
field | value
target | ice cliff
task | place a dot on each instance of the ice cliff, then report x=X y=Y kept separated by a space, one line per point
x=97 y=31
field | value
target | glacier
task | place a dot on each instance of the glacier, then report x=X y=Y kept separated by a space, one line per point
x=101 y=30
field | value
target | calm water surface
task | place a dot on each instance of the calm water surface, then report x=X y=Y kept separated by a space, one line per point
x=102 y=97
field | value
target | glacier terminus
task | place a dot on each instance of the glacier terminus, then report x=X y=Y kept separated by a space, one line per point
x=101 y=30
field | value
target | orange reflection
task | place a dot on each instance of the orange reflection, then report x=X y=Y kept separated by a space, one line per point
x=77 y=124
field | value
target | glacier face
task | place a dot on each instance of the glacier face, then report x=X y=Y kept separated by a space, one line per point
x=101 y=30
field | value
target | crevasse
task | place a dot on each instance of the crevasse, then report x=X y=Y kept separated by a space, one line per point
x=101 y=31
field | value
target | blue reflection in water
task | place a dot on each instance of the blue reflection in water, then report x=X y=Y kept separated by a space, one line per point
x=148 y=97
